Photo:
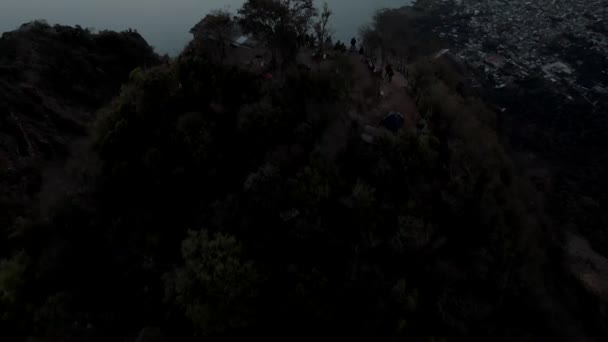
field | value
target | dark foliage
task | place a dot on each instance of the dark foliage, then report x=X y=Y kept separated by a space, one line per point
x=419 y=235
x=52 y=80
x=208 y=206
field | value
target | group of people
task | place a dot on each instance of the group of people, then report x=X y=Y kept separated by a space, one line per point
x=389 y=71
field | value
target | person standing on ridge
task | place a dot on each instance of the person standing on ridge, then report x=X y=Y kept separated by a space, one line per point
x=389 y=72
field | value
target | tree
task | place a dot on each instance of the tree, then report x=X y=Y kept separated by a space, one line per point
x=217 y=26
x=214 y=287
x=278 y=23
x=371 y=39
x=12 y=281
x=302 y=13
x=321 y=27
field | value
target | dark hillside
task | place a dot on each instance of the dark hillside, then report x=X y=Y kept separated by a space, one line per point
x=216 y=211
x=282 y=190
x=52 y=80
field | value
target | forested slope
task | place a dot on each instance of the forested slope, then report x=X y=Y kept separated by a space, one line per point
x=203 y=206
x=52 y=81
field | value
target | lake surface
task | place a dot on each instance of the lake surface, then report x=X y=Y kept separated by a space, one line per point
x=165 y=23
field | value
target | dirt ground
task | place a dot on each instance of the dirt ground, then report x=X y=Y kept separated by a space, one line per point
x=372 y=98
x=588 y=266
x=387 y=97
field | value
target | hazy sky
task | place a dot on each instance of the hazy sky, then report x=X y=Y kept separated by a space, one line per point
x=164 y=23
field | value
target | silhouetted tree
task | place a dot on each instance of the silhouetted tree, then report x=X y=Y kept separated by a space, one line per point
x=322 y=28
x=217 y=26
x=278 y=23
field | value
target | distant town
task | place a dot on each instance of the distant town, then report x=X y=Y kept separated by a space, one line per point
x=563 y=41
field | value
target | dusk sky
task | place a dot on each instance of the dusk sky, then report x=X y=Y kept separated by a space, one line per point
x=165 y=24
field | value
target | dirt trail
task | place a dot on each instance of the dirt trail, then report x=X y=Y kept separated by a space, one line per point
x=367 y=106
x=371 y=107
x=588 y=266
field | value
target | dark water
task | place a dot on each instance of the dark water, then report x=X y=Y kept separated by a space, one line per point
x=164 y=23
